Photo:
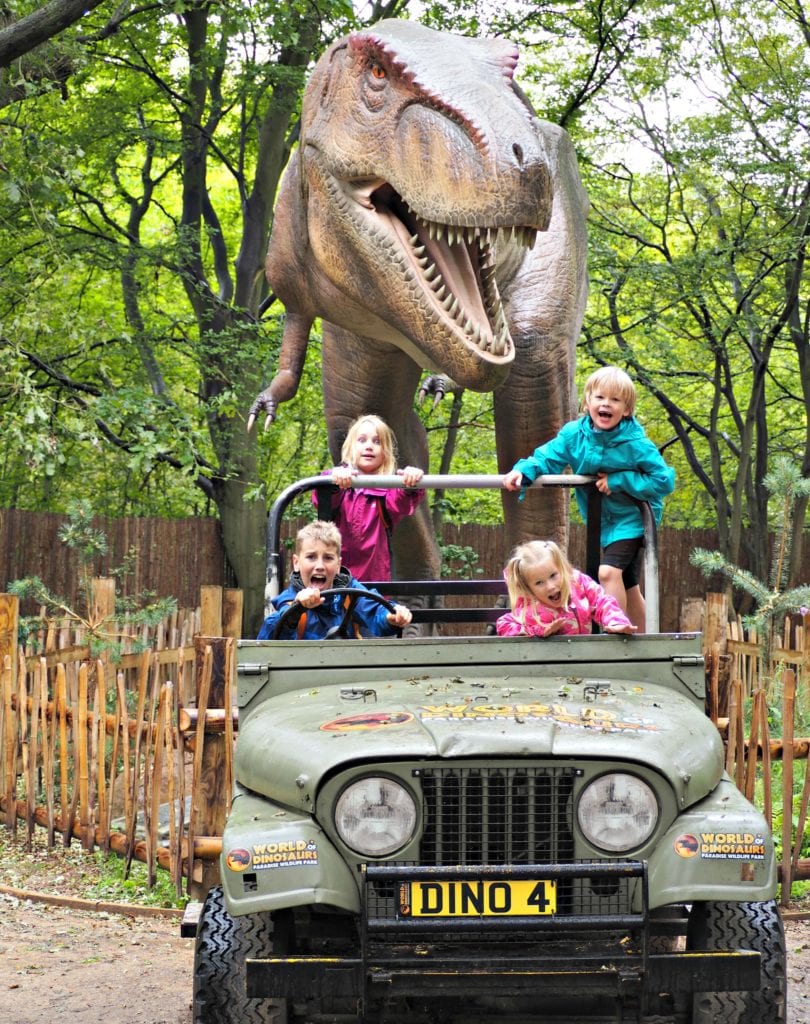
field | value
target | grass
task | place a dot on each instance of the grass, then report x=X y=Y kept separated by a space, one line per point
x=70 y=871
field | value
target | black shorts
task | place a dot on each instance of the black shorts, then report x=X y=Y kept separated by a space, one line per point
x=626 y=555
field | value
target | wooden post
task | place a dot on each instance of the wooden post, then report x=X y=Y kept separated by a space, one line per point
x=211 y=611
x=788 y=710
x=734 y=720
x=713 y=695
x=9 y=625
x=103 y=610
x=232 y=604
x=232 y=628
x=692 y=614
x=715 y=637
x=208 y=815
x=103 y=599
x=82 y=769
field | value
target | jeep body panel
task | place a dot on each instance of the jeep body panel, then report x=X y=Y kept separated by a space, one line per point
x=316 y=715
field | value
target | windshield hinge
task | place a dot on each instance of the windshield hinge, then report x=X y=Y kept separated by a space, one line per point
x=249 y=668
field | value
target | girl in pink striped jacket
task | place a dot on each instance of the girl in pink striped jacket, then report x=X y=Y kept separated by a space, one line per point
x=549 y=596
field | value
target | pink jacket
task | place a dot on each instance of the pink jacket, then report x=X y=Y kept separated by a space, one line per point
x=588 y=602
x=360 y=515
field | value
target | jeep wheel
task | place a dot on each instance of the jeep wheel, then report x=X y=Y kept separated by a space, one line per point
x=223 y=945
x=756 y=926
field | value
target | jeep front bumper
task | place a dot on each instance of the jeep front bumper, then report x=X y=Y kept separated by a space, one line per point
x=558 y=956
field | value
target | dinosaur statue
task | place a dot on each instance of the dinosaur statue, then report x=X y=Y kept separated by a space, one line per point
x=433 y=222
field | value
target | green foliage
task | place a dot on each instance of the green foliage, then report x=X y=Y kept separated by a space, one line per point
x=459 y=561
x=144 y=609
x=772 y=603
x=697 y=174
x=778 y=816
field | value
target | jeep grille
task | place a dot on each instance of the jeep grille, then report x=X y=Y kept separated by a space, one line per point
x=510 y=815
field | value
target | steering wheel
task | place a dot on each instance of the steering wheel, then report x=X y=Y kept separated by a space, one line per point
x=293 y=612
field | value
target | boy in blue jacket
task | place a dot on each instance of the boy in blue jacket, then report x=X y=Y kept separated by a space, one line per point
x=608 y=442
x=316 y=567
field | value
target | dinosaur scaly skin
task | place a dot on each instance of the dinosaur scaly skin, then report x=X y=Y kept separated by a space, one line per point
x=432 y=221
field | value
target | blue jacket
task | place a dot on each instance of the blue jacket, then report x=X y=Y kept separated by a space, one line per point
x=371 y=617
x=630 y=459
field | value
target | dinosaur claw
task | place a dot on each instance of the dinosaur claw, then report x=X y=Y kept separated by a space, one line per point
x=264 y=403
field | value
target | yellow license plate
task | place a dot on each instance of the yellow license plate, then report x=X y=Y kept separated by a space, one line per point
x=508 y=898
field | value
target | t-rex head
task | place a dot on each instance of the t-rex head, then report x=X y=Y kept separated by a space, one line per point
x=420 y=175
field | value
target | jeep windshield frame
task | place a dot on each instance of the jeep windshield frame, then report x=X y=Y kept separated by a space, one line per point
x=274 y=581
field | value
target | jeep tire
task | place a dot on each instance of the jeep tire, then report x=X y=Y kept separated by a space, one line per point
x=755 y=926
x=223 y=944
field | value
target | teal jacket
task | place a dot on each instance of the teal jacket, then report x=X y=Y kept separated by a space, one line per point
x=630 y=459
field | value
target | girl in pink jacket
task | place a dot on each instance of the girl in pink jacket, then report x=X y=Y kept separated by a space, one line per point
x=549 y=596
x=366 y=516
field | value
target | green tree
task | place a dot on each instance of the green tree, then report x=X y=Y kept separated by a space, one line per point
x=772 y=599
x=699 y=240
x=147 y=194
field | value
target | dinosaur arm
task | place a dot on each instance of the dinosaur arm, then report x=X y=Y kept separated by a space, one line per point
x=284 y=385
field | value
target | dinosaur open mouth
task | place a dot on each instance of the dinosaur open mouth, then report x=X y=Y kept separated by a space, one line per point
x=455 y=265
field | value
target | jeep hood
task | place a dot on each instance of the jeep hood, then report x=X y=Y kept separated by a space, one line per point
x=291 y=743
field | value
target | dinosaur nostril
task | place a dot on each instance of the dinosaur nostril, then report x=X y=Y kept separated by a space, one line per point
x=518 y=151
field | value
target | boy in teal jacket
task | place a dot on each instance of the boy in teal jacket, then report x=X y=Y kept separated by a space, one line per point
x=608 y=442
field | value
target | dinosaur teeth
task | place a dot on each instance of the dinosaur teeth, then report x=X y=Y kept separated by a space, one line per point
x=486 y=331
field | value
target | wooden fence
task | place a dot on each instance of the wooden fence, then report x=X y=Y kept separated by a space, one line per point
x=176 y=557
x=172 y=557
x=136 y=757
x=90 y=748
x=744 y=696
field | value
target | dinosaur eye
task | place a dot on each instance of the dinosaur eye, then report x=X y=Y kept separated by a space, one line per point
x=378 y=72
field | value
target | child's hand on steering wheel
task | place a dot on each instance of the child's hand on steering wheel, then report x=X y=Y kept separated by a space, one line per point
x=401 y=616
x=309 y=597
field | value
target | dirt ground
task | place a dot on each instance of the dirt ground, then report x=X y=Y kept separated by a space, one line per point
x=94 y=967
x=91 y=967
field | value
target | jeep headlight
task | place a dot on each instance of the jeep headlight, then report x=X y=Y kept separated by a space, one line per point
x=617 y=812
x=375 y=816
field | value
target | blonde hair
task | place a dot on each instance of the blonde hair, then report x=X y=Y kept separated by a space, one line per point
x=524 y=557
x=318 y=532
x=388 y=443
x=615 y=381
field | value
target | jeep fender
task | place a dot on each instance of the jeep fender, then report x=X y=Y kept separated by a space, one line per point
x=720 y=849
x=274 y=857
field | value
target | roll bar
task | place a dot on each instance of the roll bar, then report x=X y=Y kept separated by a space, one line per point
x=471 y=481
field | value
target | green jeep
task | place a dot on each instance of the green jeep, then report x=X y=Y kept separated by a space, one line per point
x=467 y=828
